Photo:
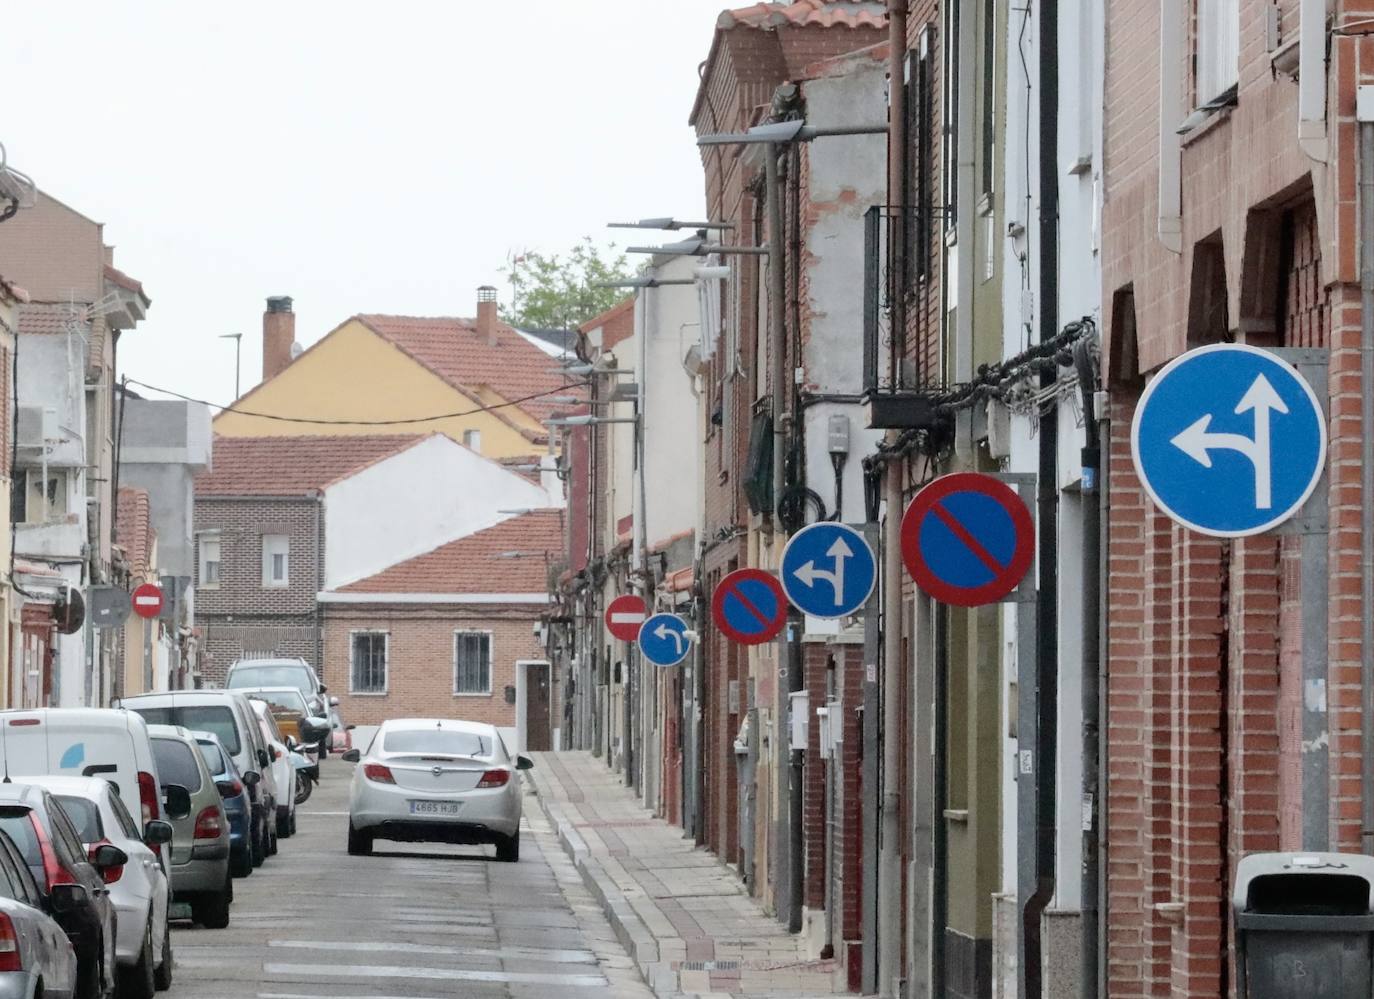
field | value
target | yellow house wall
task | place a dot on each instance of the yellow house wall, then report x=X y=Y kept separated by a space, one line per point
x=353 y=374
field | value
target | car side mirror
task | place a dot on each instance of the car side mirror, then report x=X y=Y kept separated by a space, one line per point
x=349 y=728
x=333 y=702
x=313 y=730
x=351 y=756
x=524 y=763
x=323 y=689
x=291 y=744
x=106 y=856
x=68 y=897
x=251 y=778
x=176 y=800
x=263 y=759
x=157 y=832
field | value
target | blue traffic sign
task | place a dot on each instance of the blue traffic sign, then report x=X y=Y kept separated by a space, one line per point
x=828 y=570
x=1229 y=440
x=663 y=640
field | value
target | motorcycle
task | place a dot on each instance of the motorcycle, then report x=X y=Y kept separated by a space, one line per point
x=307 y=773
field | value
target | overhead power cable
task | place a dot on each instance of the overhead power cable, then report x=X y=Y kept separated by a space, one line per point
x=359 y=423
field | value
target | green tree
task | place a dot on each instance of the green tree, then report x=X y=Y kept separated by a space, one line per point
x=558 y=291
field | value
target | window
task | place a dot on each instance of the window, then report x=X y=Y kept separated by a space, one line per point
x=472 y=662
x=988 y=110
x=949 y=119
x=920 y=115
x=85 y=815
x=368 y=673
x=209 y=559
x=473 y=439
x=275 y=549
x=177 y=763
x=33 y=502
x=1216 y=48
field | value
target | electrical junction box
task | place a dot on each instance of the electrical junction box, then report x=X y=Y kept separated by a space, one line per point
x=999 y=429
x=837 y=434
x=799 y=702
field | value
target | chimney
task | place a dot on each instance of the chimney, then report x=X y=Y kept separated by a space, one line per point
x=486 y=313
x=278 y=334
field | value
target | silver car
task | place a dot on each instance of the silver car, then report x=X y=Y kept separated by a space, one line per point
x=430 y=780
x=36 y=958
x=200 y=846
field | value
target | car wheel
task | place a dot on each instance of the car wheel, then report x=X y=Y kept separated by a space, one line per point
x=359 y=842
x=259 y=846
x=283 y=828
x=241 y=863
x=293 y=822
x=508 y=849
x=90 y=976
x=162 y=978
x=212 y=909
x=272 y=841
x=137 y=982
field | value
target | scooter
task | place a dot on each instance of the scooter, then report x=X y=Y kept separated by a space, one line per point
x=307 y=774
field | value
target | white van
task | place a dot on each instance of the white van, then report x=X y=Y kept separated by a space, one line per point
x=85 y=742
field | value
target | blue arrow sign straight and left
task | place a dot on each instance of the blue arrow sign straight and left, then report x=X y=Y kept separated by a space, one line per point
x=828 y=570
x=663 y=640
x=1229 y=440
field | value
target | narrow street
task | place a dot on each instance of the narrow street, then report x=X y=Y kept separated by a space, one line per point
x=407 y=923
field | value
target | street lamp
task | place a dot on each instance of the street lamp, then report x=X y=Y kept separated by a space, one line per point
x=781 y=132
x=696 y=246
x=587 y=420
x=669 y=224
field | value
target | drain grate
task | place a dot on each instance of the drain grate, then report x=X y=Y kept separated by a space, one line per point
x=823 y=965
x=708 y=965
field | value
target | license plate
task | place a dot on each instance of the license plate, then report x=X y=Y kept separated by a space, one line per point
x=435 y=807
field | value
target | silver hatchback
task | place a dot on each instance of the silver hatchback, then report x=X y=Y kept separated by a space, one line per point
x=200 y=848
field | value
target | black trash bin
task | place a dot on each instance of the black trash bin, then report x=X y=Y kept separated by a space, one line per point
x=1304 y=926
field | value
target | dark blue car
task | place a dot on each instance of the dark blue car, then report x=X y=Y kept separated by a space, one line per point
x=237 y=807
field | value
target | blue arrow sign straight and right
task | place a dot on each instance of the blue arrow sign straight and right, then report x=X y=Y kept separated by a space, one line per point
x=828 y=570
x=1229 y=440
x=663 y=640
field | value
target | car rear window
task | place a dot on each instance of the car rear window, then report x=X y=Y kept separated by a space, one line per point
x=282 y=700
x=85 y=815
x=19 y=826
x=436 y=741
x=214 y=759
x=176 y=765
x=271 y=676
x=217 y=719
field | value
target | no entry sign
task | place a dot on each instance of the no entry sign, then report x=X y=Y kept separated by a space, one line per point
x=967 y=539
x=624 y=615
x=749 y=606
x=147 y=600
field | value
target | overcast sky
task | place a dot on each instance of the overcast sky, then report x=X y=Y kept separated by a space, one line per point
x=358 y=156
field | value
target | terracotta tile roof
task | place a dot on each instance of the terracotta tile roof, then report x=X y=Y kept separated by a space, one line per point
x=826 y=13
x=474 y=564
x=48 y=317
x=117 y=276
x=513 y=367
x=291 y=466
x=133 y=528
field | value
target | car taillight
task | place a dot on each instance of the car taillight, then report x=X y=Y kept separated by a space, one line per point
x=236 y=789
x=147 y=799
x=110 y=874
x=209 y=823
x=10 y=958
x=378 y=773
x=52 y=867
x=494 y=778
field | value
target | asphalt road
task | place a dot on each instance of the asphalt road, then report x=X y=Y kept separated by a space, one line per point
x=409 y=922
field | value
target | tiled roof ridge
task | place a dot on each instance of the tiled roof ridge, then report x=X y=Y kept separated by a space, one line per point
x=844 y=13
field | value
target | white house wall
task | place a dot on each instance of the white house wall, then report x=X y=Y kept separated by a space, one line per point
x=413 y=502
x=847 y=175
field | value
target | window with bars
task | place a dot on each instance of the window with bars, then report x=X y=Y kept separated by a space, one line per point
x=472 y=662
x=369 y=662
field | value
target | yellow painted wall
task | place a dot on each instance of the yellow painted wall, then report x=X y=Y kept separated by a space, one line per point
x=353 y=374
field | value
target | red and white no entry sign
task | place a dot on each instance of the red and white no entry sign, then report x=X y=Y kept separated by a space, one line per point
x=624 y=615
x=147 y=600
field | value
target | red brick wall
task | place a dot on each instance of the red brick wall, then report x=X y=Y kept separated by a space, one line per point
x=420 y=660
x=816 y=666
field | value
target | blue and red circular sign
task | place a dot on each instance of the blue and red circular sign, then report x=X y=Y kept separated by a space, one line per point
x=749 y=606
x=967 y=539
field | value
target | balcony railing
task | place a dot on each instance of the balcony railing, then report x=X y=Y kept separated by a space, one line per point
x=896 y=393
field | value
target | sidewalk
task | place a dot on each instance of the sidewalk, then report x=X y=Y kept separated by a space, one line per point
x=681 y=914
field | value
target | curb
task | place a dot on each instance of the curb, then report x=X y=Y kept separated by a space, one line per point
x=630 y=930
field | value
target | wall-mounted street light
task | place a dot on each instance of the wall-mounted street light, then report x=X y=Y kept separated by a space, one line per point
x=697 y=246
x=669 y=224
x=587 y=420
x=782 y=132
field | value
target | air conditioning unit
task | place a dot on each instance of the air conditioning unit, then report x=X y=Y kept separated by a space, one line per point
x=37 y=425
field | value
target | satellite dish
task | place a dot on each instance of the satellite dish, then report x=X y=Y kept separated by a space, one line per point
x=296 y=349
x=69 y=611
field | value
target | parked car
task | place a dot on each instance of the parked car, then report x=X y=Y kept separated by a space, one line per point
x=291 y=713
x=138 y=889
x=228 y=715
x=72 y=884
x=340 y=734
x=85 y=742
x=200 y=848
x=233 y=793
x=283 y=773
x=428 y=780
x=254 y=674
x=36 y=958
